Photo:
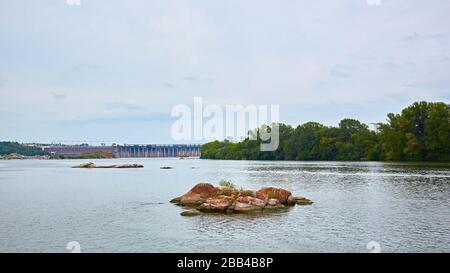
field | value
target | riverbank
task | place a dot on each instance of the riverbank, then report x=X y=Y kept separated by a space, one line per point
x=419 y=133
x=15 y=156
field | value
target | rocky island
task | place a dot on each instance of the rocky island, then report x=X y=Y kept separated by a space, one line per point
x=206 y=198
x=90 y=165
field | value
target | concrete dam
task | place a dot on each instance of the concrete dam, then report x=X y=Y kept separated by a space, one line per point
x=147 y=150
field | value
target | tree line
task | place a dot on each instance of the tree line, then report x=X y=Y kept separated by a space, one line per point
x=8 y=147
x=421 y=132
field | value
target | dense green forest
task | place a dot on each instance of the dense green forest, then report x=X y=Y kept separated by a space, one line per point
x=7 y=147
x=421 y=132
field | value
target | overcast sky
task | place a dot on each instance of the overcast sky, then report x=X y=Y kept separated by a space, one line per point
x=110 y=70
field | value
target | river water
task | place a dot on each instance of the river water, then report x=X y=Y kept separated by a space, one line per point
x=46 y=204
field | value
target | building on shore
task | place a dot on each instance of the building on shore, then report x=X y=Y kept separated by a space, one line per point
x=147 y=150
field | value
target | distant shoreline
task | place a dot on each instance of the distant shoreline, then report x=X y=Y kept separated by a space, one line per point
x=410 y=163
x=22 y=157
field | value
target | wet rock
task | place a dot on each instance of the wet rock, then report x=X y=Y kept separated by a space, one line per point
x=252 y=201
x=291 y=201
x=176 y=200
x=267 y=193
x=274 y=204
x=244 y=207
x=85 y=165
x=221 y=203
x=277 y=207
x=191 y=212
x=119 y=166
x=204 y=197
x=302 y=201
x=248 y=203
x=198 y=194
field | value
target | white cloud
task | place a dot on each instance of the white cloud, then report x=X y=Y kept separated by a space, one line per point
x=103 y=60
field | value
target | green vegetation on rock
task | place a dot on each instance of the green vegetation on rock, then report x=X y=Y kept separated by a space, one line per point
x=227 y=184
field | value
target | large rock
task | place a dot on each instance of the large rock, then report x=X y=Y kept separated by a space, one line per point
x=274 y=204
x=252 y=201
x=124 y=166
x=85 y=165
x=248 y=203
x=221 y=203
x=198 y=194
x=204 y=197
x=291 y=200
x=119 y=166
x=244 y=207
x=267 y=193
x=175 y=200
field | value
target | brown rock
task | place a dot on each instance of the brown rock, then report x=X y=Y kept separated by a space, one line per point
x=277 y=207
x=85 y=165
x=248 y=203
x=198 y=194
x=204 y=197
x=119 y=166
x=191 y=212
x=219 y=203
x=267 y=193
x=123 y=166
x=291 y=201
x=302 y=201
x=252 y=201
x=176 y=200
x=273 y=202
x=244 y=207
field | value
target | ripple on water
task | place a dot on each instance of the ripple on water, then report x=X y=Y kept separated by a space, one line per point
x=47 y=204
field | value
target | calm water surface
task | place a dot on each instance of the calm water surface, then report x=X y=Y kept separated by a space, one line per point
x=46 y=204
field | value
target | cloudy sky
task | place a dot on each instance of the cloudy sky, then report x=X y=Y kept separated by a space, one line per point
x=111 y=70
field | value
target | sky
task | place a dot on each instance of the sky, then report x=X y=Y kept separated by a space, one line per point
x=112 y=70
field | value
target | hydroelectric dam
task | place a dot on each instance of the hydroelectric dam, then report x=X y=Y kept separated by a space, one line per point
x=120 y=151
